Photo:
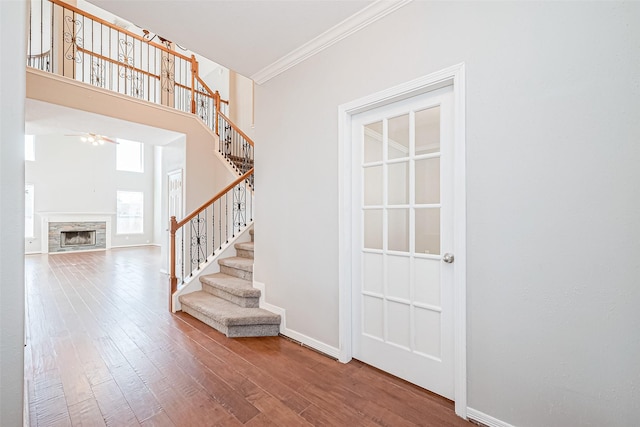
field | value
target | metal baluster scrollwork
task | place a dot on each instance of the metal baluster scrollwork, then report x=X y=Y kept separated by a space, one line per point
x=72 y=38
x=97 y=72
x=198 y=242
x=137 y=86
x=202 y=104
x=126 y=57
x=168 y=75
x=239 y=207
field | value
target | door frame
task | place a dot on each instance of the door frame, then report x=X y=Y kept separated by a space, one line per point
x=451 y=76
x=166 y=210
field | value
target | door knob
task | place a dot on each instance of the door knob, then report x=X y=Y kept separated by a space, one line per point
x=448 y=258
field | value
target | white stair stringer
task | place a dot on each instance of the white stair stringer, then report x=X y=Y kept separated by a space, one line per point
x=211 y=266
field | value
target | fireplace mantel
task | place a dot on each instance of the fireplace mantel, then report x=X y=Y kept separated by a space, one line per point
x=48 y=217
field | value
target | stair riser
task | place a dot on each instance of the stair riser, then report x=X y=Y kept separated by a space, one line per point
x=235 y=331
x=253 y=331
x=244 y=253
x=241 y=301
x=246 y=275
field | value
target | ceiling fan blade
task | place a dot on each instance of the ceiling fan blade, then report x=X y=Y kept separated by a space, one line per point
x=93 y=137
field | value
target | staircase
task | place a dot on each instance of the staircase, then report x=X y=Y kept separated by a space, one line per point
x=228 y=301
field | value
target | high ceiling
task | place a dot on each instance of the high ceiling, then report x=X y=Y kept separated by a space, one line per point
x=42 y=118
x=242 y=35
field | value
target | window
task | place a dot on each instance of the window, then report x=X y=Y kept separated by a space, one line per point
x=129 y=218
x=129 y=156
x=29 y=148
x=28 y=211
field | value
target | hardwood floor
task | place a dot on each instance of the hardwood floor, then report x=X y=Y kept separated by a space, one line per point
x=103 y=349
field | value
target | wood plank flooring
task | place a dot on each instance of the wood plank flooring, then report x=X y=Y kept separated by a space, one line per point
x=103 y=349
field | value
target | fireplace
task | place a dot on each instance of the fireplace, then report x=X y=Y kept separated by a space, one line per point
x=69 y=231
x=78 y=238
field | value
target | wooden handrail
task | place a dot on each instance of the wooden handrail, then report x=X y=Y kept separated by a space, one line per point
x=237 y=129
x=119 y=29
x=210 y=201
x=206 y=87
x=119 y=63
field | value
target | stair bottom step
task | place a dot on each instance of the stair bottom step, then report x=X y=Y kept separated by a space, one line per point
x=238 y=331
x=228 y=318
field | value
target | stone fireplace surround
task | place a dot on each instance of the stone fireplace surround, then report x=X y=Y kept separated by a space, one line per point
x=55 y=222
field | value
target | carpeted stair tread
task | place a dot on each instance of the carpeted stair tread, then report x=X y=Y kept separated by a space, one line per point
x=244 y=264
x=246 y=246
x=233 y=285
x=227 y=313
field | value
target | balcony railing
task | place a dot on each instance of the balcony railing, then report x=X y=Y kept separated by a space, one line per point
x=65 y=40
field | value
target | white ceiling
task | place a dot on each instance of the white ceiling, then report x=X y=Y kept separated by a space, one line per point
x=243 y=35
x=42 y=118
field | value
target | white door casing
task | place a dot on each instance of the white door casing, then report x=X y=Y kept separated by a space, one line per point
x=175 y=207
x=349 y=176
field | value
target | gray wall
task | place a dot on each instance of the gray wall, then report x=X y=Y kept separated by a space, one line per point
x=12 y=90
x=553 y=100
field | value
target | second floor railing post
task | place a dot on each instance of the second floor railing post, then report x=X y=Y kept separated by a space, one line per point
x=217 y=118
x=173 y=280
x=194 y=73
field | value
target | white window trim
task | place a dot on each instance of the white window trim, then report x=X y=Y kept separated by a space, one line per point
x=33 y=218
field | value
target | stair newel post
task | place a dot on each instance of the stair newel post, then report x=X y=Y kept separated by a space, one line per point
x=217 y=101
x=194 y=73
x=173 y=280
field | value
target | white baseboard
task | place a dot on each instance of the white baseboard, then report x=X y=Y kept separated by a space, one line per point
x=312 y=343
x=488 y=420
x=290 y=333
x=33 y=253
x=133 y=246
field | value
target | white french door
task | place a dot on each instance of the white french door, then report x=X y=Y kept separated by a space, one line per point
x=402 y=282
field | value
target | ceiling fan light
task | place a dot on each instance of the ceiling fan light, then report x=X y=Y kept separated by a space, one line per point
x=95 y=142
x=83 y=138
x=91 y=139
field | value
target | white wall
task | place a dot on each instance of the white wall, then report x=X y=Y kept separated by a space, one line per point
x=553 y=99
x=12 y=89
x=75 y=177
x=241 y=102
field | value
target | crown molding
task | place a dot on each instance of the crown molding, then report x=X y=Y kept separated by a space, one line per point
x=352 y=24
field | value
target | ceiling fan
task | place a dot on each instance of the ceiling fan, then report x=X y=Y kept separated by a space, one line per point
x=94 y=138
